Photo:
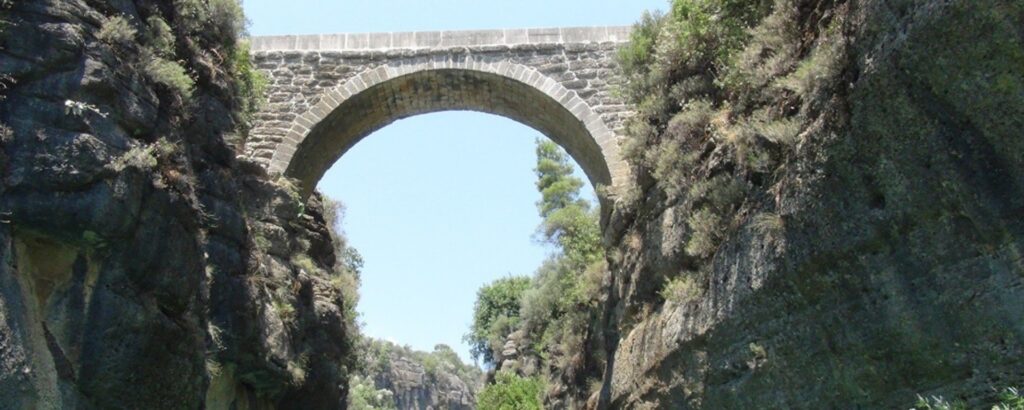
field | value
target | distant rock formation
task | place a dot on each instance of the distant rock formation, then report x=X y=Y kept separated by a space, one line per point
x=418 y=380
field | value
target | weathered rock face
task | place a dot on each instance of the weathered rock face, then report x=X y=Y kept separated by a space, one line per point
x=141 y=264
x=896 y=268
x=421 y=380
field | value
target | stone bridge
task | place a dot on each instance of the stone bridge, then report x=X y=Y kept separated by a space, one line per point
x=327 y=92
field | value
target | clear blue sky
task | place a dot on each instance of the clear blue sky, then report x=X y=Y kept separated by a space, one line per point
x=443 y=203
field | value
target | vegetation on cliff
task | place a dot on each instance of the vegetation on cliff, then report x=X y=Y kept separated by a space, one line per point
x=812 y=158
x=191 y=279
x=786 y=153
x=552 y=317
x=392 y=376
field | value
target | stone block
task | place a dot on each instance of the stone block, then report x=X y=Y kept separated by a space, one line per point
x=618 y=34
x=403 y=40
x=332 y=42
x=516 y=36
x=544 y=35
x=380 y=41
x=584 y=34
x=357 y=41
x=428 y=39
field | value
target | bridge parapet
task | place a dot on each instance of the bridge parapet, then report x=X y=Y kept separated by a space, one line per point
x=441 y=39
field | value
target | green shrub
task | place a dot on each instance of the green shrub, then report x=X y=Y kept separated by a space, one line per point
x=782 y=131
x=823 y=65
x=159 y=37
x=682 y=289
x=213 y=21
x=283 y=308
x=637 y=55
x=305 y=264
x=769 y=225
x=1010 y=399
x=116 y=31
x=720 y=193
x=705 y=233
x=364 y=395
x=170 y=74
x=673 y=157
x=938 y=403
x=146 y=156
x=772 y=51
x=510 y=392
x=227 y=18
x=250 y=83
x=193 y=14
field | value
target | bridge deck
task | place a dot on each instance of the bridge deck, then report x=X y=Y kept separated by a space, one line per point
x=441 y=39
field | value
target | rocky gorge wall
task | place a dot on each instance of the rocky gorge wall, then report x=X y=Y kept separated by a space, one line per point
x=876 y=253
x=143 y=265
x=879 y=259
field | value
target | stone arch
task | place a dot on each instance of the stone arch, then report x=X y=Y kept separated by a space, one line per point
x=379 y=96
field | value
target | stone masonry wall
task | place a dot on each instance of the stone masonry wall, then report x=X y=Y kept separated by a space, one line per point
x=310 y=74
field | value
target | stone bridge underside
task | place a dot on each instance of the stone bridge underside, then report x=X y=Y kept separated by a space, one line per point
x=327 y=92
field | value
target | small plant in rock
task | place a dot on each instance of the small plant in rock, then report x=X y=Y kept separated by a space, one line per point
x=140 y=157
x=768 y=224
x=146 y=157
x=282 y=305
x=783 y=131
x=705 y=233
x=251 y=84
x=116 y=31
x=1010 y=399
x=305 y=264
x=682 y=289
x=171 y=74
x=938 y=403
x=291 y=187
x=159 y=37
x=213 y=368
x=297 y=369
x=78 y=108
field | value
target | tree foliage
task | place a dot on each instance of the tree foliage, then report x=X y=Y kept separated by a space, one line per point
x=495 y=315
x=511 y=392
x=569 y=221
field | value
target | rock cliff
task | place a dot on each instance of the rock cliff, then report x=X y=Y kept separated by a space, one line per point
x=870 y=254
x=420 y=380
x=142 y=265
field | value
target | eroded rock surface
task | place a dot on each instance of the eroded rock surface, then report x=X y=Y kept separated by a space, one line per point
x=895 y=266
x=141 y=264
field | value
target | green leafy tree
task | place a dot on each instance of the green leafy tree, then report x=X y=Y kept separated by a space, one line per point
x=511 y=392
x=569 y=221
x=364 y=395
x=495 y=315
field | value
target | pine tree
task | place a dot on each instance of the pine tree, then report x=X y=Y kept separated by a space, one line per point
x=569 y=221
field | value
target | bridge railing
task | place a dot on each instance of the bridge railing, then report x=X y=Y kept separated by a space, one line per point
x=441 y=39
